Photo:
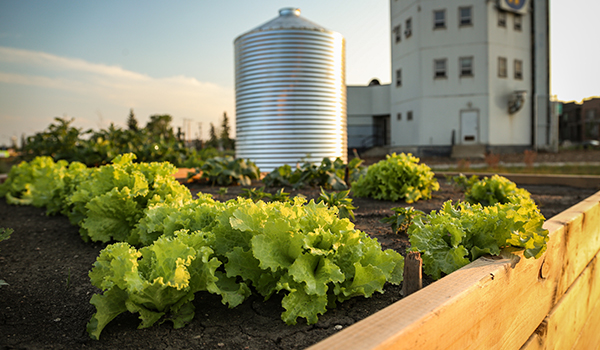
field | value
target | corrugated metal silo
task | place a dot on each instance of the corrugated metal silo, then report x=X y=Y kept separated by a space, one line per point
x=290 y=92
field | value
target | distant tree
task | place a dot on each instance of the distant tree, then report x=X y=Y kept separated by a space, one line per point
x=132 y=123
x=225 y=139
x=23 y=140
x=160 y=125
x=213 y=139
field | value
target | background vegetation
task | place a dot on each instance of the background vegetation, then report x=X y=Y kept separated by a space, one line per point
x=157 y=141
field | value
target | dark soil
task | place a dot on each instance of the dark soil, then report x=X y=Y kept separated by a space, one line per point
x=46 y=304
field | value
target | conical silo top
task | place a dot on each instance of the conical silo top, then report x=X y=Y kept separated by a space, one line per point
x=289 y=18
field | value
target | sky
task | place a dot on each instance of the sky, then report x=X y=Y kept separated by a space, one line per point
x=95 y=60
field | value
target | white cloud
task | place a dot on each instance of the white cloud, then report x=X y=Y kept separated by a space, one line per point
x=90 y=91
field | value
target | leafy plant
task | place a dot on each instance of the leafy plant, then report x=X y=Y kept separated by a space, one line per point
x=395 y=178
x=222 y=192
x=402 y=218
x=155 y=142
x=158 y=281
x=462 y=182
x=304 y=251
x=110 y=203
x=255 y=194
x=259 y=194
x=329 y=174
x=280 y=196
x=489 y=191
x=340 y=201
x=226 y=171
x=459 y=233
x=42 y=183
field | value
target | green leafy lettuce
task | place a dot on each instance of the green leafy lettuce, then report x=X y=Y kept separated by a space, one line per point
x=303 y=250
x=111 y=202
x=459 y=233
x=158 y=282
x=40 y=183
x=398 y=177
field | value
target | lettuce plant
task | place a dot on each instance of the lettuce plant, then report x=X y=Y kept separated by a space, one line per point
x=303 y=250
x=109 y=204
x=398 y=177
x=459 y=233
x=158 y=281
x=497 y=189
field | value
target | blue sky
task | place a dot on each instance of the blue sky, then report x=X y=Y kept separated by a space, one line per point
x=93 y=60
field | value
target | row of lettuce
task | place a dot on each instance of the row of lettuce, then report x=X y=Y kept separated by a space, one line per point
x=171 y=246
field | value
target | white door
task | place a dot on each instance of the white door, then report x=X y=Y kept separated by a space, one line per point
x=469 y=127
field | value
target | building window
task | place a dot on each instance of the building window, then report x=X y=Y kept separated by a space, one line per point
x=466 y=66
x=408 y=26
x=397 y=34
x=409 y=115
x=439 y=19
x=502 y=19
x=502 y=69
x=398 y=77
x=518 y=69
x=518 y=22
x=399 y=116
x=465 y=16
x=439 y=67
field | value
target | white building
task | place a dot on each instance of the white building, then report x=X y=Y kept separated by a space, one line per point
x=468 y=74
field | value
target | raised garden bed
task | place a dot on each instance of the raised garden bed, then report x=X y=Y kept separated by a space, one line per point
x=47 y=301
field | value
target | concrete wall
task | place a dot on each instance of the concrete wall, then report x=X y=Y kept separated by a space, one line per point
x=365 y=102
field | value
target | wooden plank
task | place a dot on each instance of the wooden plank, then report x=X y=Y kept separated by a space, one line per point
x=581 y=181
x=465 y=310
x=581 y=239
x=572 y=319
x=487 y=304
x=590 y=335
x=567 y=319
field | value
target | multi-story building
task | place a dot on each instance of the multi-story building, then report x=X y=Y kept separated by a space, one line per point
x=471 y=73
x=570 y=122
x=580 y=122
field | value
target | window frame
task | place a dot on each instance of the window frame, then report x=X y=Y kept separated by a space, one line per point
x=518 y=68
x=439 y=74
x=502 y=63
x=397 y=33
x=409 y=115
x=517 y=22
x=408 y=27
x=436 y=23
x=460 y=16
x=461 y=68
x=398 y=77
x=399 y=116
x=502 y=19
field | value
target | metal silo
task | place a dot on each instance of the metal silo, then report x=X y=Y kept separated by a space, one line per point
x=290 y=92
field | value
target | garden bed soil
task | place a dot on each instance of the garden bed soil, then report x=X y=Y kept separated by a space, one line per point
x=46 y=302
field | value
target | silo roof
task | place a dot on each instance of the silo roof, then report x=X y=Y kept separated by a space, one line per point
x=289 y=18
